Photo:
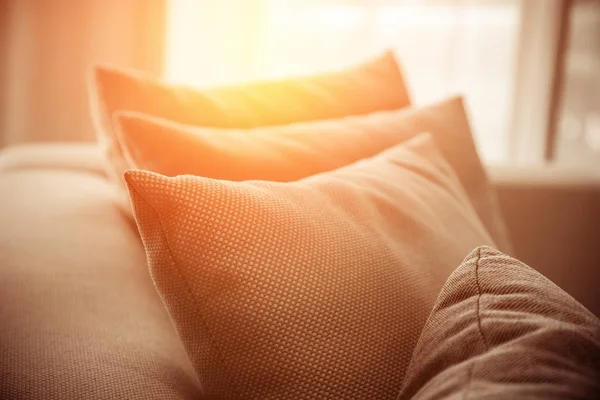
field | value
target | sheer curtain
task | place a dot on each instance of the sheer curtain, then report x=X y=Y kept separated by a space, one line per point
x=445 y=47
x=46 y=50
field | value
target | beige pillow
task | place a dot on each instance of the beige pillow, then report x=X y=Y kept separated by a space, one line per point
x=375 y=85
x=501 y=330
x=317 y=288
x=286 y=153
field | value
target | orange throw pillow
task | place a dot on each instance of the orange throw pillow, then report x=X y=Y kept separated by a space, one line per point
x=373 y=86
x=291 y=152
x=317 y=288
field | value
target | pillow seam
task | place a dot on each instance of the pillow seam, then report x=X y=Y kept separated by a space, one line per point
x=479 y=325
x=187 y=286
x=478 y=307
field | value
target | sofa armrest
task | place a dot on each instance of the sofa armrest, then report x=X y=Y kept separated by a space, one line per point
x=553 y=216
x=554 y=176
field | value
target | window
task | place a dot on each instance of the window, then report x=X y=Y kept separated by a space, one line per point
x=504 y=67
x=578 y=132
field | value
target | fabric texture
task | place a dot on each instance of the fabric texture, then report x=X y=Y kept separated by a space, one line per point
x=373 y=86
x=317 y=288
x=501 y=330
x=79 y=316
x=291 y=152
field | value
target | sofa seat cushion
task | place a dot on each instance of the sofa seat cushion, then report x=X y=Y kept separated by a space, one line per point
x=79 y=315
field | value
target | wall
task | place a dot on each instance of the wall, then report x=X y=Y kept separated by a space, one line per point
x=49 y=48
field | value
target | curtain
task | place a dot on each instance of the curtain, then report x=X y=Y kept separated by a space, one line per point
x=48 y=47
x=3 y=63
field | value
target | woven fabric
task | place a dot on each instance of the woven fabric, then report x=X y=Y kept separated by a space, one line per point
x=79 y=316
x=501 y=330
x=290 y=152
x=375 y=85
x=314 y=289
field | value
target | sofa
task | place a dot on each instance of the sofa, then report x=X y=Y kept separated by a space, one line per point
x=78 y=307
x=315 y=237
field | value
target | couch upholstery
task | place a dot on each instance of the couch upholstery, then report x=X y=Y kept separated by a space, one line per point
x=79 y=316
x=70 y=259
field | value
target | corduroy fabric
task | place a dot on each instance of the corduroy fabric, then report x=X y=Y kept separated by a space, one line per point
x=501 y=330
x=79 y=316
x=373 y=86
x=287 y=153
x=315 y=289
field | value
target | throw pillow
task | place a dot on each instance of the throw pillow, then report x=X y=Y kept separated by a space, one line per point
x=375 y=85
x=501 y=330
x=286 y=153
x=317 y=288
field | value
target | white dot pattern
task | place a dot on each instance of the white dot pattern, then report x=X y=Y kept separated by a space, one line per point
x=316 y=289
